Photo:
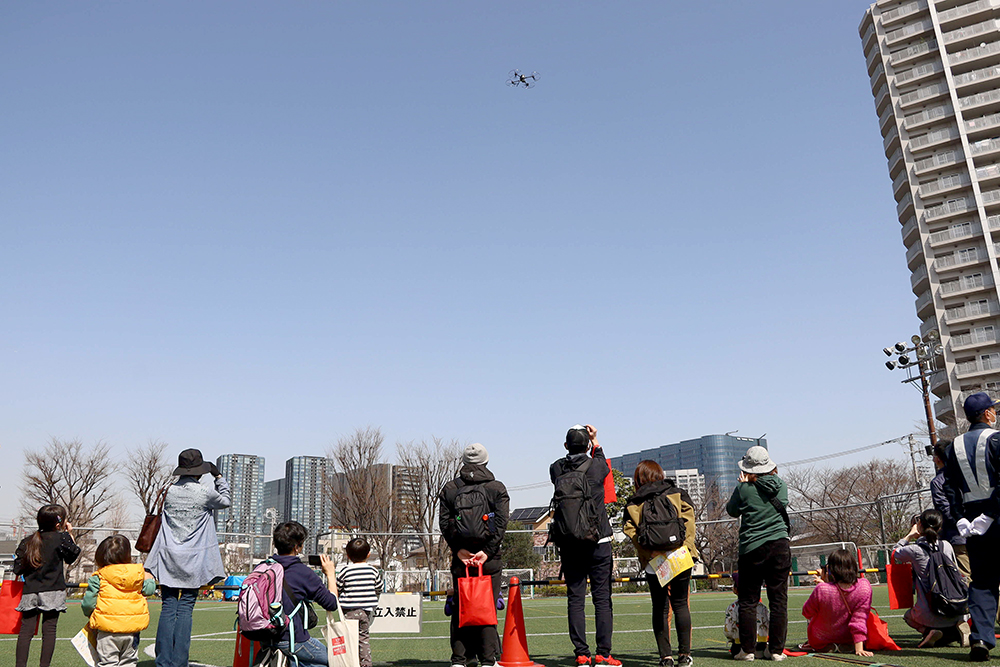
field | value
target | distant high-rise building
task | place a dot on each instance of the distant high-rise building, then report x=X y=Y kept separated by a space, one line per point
x=245 y=474
x=691 y=481
x=274 y=498
x=713 y=456
x=934 y=68
x=305 y=495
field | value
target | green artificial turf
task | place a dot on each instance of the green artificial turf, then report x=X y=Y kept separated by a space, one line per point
x=548 y=643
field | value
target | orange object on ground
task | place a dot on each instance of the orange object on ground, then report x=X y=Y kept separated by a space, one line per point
x=515 y=640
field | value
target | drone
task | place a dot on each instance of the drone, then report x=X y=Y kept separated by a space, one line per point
x=516 y=80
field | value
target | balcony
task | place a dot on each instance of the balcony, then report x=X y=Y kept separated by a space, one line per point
x=953 y=207
x=896 y=163
x=914 y=74
x=925 y=304
x=978 y=100
x=904 y=209
x=952 y=234
x=983 y=123
x=928 y=325
x=977 y=76
x=907 y=32
x=900 y=57
x=970 y=340
x=899 y=183
x=872 y=58
x=868 y=35
x=965 y=286
x=938 y=160
x=928 y=116
x=970 y=32
x=910 y=231
x=974 y=54
x=944 y=410
x=921 y=94
x=918 y=280
x=991 y=197
x=960 y=258
x=909 y=9
x=886 y=119
x=985 y=146
x=971 y=311
x=877 y=78
x=944 y=184
x=934 y=138
x=987 y=363
x=965 y=10
x=913 y=252
x=881 y=99
x=988 y=172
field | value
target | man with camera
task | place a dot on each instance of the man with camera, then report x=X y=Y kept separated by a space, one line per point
x=972 y=473
x=581 y=529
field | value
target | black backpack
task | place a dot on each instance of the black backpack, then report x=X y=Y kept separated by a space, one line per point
x=947 y=592
x=473 y=515
x=574 y=510
x=660 y=526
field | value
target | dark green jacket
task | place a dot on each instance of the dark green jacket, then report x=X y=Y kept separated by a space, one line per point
x=760 y=522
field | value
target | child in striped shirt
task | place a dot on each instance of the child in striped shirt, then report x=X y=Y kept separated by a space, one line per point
x=359 y=584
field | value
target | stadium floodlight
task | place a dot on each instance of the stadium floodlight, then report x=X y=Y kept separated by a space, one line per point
x=903 y=360
x=900 y=347
x=888 y=351
x=915 y=339
x=925 y=350
x=891 y=365
x=932 y=336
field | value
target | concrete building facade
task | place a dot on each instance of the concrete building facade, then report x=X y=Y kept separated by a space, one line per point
x=934 y=68
x=245 y=474
x=305 y=501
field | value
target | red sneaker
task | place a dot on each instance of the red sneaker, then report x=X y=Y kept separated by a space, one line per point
x=602 y=660
x=583 y=659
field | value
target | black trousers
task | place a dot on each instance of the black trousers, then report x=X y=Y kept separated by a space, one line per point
x=580 y=563
x=985 y=580
x=768 y=564
x=676 y=591
x=477 y=641
x=29 y=625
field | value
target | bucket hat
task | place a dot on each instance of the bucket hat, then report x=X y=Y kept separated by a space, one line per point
x=757 y=461
x=190 y=462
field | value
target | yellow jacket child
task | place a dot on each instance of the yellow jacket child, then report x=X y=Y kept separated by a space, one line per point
x=115 y=599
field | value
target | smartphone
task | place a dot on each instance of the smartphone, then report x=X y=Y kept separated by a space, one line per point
x=314 y=560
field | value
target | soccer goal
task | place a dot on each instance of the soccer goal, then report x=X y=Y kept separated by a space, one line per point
x=522 y=573
x=812 y=556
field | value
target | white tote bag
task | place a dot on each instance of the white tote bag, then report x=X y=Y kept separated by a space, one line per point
x=341 y=641
x=85 y=643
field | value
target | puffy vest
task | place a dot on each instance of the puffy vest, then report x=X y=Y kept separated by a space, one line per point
x=121 y=608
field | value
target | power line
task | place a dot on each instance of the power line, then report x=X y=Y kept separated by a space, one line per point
x=825 y=457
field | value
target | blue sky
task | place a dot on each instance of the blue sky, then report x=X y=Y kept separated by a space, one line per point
x=254 y=227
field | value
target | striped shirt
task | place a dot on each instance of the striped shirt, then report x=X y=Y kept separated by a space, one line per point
x=359 y=585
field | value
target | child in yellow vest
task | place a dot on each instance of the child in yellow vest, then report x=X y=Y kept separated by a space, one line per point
x=115 y=601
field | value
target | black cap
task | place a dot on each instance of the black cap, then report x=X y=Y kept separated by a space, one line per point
x=577 y=439
x=190 y=462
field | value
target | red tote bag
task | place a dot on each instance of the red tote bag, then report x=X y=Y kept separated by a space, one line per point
x=245 y=651
x=476 y=605
x=900 y=580
x=878 y=634
x=10 y=597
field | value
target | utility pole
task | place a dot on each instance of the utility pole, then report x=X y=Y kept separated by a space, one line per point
x=913 y=458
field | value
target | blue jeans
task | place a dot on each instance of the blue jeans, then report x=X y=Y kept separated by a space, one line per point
x=173 y=633
x=312 y=652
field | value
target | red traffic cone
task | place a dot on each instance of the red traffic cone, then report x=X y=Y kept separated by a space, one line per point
x=515 y=641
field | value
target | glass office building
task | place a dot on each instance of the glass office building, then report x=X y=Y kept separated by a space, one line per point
x=714 y=456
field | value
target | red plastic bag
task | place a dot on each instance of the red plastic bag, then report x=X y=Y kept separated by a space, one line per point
x=476 y=605
x=10 y=597
x=878 y=634
x=900 y=580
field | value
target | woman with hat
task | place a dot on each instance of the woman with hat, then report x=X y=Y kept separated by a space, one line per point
x=185 y=555
x=759 y=500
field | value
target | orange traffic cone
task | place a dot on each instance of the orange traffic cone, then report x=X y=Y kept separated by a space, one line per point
x=515 y=641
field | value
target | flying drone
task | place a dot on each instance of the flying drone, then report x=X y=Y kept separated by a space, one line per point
x=517 y=80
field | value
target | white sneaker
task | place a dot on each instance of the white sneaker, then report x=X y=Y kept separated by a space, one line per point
x=778 y=657
x=742 y=655
x=964 y=631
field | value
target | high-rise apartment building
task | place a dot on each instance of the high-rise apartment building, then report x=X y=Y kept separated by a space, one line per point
x=934 y=67
x=274 y=499
x=712 y=456
x=692 y=481
x=245 y=474
x=305 y=495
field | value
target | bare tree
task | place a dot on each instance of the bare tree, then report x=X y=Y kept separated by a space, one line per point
x=78 y=478
x=67 y=473
x=359 y=489
x=716 y=533
x=426 y=468
x=147 y=471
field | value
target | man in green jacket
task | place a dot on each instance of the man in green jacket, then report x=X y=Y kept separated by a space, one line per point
x=759 y=500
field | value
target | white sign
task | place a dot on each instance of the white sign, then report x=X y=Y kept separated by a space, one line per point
x=397 y=612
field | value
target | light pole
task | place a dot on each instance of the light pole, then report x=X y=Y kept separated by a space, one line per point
x=926 y=350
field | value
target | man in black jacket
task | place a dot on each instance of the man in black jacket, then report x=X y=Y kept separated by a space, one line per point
x=473 y=518
x=588 y=559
